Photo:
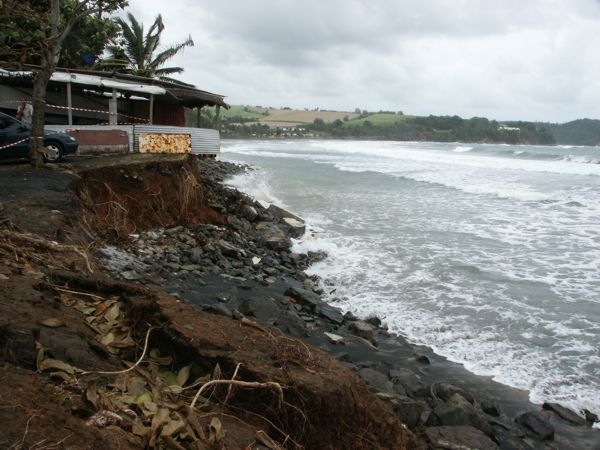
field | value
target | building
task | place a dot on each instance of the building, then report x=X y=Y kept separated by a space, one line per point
x=108 y=111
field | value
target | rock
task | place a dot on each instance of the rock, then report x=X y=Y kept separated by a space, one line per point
x=131 y=275
x=373 y=320
x=349 y=316
x=376 y=380
x=422 y=359
x=264 y=308
x=281 y=213
x=334 y=338
x=304 y=297
x=458 y=411
x=460 y=437
x=537 y=423
x=219 y=309
x=273 y=236
x=409 y=411
x=590 y=417
x=190 y=267
x=331 y=313
x=231 y=250
x=565 y=413
x=292 y=324
x=364 y=330
x=445 y=391
x=249 y=212
x=297 y=228
x=255 y=260
x=490 y=408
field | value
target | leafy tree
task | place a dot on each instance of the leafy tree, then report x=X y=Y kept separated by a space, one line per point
x=36 y=30
x=138 y=52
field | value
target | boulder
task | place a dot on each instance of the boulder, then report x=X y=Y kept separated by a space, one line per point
x=273 y=236
x=281 y=213
x=334 y=338
x=458 y=411
x=445 y=391
x=265 y=309
x=331 y=313
x=565 y=413
x=460 y=437
x=409 y=382
x=231 y=250
x=376 y=380
x=296 y=227
x=249 y=212
x=537 y=423
x=363 y=330
x=219 y=309
x=409 y=411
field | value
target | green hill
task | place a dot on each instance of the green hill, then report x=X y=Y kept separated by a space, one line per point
x=577 y=132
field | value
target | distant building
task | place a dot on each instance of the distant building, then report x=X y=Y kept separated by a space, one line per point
x=504 y=127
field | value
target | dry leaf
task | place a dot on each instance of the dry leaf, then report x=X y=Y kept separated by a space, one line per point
x=3 y=277
x=215 y=430
x=63 y=376
x=113 y=313
x=39 y=357
x=107 y=339
x=139 y=430
x=173 y=427
x=51 y=322
x=174 y=388
x=183 y=375
x=91 y=394
x=56 y=364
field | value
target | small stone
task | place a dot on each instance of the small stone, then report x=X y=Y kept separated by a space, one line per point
x=335 y=338
x=219 y=309
x=131 y=275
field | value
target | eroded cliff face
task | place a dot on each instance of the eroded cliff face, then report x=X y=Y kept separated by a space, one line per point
x=90 y=362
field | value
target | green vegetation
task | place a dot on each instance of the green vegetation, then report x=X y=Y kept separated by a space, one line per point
x=378 y=119
x=394 y=126
x=137 y=52
x=241 y=114
x=577 y=132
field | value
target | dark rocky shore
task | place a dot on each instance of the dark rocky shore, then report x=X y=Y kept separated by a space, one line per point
x=244 y=268
x=130 y=284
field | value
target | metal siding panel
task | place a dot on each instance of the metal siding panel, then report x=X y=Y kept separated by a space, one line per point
x=205 y=141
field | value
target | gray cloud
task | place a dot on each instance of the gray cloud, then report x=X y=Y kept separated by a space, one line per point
x=525 y=60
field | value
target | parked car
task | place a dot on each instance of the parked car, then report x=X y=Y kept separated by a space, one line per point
x=11 y=130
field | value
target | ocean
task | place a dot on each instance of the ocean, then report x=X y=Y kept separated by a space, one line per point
x=489 y=254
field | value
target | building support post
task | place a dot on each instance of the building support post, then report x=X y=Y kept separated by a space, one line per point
x=198 y=116
x=112 y=108
x=151 y=112
x=69 y=104
x=218 y=118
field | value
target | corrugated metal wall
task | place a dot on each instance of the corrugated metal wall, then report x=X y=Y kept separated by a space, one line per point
x=205 y=141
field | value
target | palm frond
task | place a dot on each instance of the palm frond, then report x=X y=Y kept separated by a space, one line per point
x=170 y=52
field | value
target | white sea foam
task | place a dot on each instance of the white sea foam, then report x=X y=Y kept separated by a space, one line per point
x=491 y=260
x=460 y=149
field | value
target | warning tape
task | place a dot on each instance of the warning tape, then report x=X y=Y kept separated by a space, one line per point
x=12 y=144
x=140 y=119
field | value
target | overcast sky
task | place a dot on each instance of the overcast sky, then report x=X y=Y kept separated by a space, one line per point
x=509 y=59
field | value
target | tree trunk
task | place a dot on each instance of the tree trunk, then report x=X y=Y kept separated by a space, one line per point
x=49 y=61
x=38 y=116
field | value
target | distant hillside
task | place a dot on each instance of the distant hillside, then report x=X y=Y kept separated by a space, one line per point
x=577 y=132
x=282 y=117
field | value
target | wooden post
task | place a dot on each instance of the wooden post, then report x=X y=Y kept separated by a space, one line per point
x=69 y=104
x=218 y=118
x=199 y=117
x=112 y=108
x=151 y=112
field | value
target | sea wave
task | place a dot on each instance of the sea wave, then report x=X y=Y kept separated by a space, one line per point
x=583 y=159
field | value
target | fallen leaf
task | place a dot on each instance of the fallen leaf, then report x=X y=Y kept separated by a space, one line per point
x=112 y=314
x=51 y=322
x=63 y=376
x=172 y=427
x=183 y=375
x=140 y=430
x=215 y=430
x=175 y=389
x=3 y=277
x=56 y=364
x=107 y=339
x=91 y=394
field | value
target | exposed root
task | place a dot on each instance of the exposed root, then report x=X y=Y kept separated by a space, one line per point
x=247 y=384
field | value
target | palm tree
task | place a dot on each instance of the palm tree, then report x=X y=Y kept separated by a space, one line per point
x=136 y=54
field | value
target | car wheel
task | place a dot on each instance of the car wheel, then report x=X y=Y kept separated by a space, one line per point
x=53 y=151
